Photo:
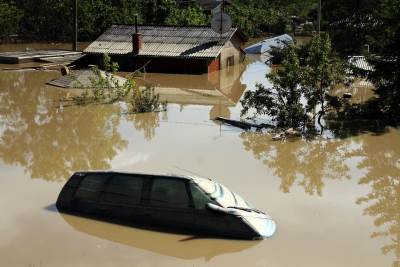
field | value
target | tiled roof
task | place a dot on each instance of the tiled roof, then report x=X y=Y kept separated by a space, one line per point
x=164 y=41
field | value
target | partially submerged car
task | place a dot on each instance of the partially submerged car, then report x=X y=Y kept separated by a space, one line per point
x=182 y=202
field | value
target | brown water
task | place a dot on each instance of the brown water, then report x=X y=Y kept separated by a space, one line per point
x=336 y=201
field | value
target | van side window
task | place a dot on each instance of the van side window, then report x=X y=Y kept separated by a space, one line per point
x=124 y=189
x=91 y=187
x=169 y=193
x=200 y=199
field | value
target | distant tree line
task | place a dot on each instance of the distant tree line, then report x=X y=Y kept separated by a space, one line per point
x=51 y=20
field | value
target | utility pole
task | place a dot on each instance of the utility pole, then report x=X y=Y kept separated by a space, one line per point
x=319 y=17
x=75 y=27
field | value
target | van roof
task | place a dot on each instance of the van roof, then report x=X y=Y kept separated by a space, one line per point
x=155 y=174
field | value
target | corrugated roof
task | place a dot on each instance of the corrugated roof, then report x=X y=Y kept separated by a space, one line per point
x=80 y=79
x=360 y=62
x=164 y=41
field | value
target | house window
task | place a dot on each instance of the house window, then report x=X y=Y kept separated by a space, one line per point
x=230 y=61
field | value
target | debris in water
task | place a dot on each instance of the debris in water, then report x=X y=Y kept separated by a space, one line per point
x=242 y=124
x=278 y=137
x=347 y=95
x=292 y=132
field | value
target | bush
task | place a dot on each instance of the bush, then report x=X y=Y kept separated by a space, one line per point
x=107 y=89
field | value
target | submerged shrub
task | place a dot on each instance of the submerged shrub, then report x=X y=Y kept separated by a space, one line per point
x=106 y=88
x=144 y=100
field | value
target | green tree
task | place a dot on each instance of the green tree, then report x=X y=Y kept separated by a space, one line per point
x=282 y=101
x=386 y=62
x=95 y=17
x=256 y=17
x=192 y=15
x=311 y=71
x=156 y=11
x=349 y=23
x=46 y=20
x=10 y=16
x=322 y=72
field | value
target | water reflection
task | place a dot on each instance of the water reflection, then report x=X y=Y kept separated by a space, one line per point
x=50 y=142
x=172 y=245
x=382 y=162
x=307 y=163
x=310 y=163
x=219 y=89
x=146 y=123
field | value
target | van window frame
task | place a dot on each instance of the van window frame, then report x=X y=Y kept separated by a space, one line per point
x=147 y=192
x=101 y=191
x=132 y=176
x=210 y=200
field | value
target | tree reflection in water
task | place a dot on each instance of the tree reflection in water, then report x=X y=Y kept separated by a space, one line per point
x=146 y=123
x=382 y=162
x=311 y=162
x=50 y=142
x=306 y=162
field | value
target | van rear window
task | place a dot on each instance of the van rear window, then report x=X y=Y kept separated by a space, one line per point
x=75 y=180
x=91 y=187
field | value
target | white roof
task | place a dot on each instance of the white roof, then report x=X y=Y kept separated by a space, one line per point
x=266 y=45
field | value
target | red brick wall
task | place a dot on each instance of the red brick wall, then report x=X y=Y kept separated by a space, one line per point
x=214 y=65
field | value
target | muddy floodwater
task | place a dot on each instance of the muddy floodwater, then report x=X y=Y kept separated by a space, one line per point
x=336 y=200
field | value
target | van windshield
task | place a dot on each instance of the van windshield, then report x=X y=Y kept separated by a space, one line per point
x=221 y=194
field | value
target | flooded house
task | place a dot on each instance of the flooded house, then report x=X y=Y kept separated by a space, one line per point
x=168 y=49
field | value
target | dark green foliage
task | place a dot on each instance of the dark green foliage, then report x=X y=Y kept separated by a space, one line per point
x=145 y=100
x=322 y=71
x=53 y=19
x=349 y=23
x=383 y=36
x=282 y=101
x=46 y=20
x=256 y=17
x=10 y=16
x=191 y=15
x=311 y=72
x=386 y=74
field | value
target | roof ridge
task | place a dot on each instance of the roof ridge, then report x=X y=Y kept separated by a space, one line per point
x=169 y=26
x=171 y=41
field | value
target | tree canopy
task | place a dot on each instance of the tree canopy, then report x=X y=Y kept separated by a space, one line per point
x=51 y=20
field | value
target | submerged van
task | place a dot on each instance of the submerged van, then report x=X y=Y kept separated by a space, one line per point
x=182 y=202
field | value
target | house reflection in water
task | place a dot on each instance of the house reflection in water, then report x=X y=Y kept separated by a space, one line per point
x=218 y=89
